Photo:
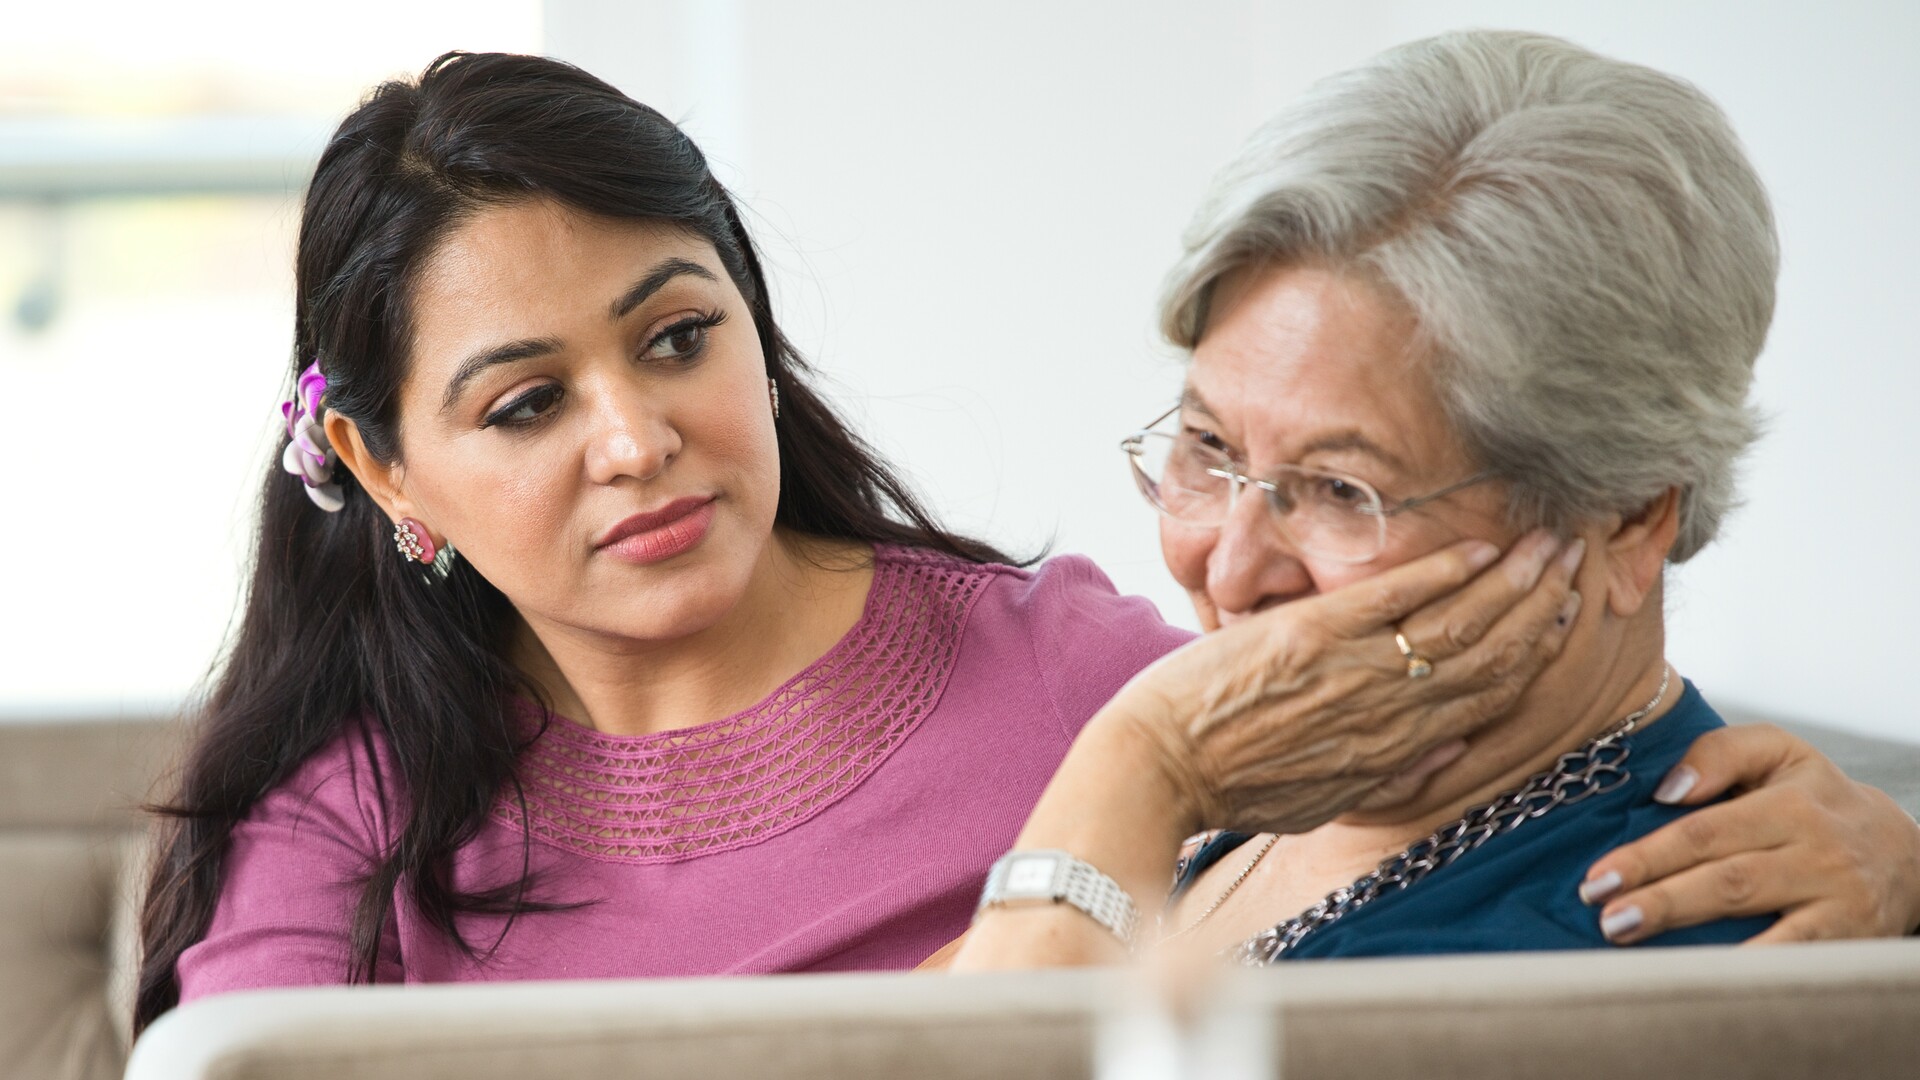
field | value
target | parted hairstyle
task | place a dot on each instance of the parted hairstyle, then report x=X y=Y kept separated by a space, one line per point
x=339 y=635
x=1586 y=250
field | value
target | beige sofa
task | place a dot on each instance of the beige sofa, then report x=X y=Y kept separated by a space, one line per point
x=69 y=866
x=1841 y=1010
x=70 y=861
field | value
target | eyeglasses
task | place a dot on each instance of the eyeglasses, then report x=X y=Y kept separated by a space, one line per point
x=1325 y=514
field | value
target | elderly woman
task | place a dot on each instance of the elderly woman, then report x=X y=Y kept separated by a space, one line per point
x=1487 y=283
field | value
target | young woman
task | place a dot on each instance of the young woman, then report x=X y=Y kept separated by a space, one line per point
x=584 y=640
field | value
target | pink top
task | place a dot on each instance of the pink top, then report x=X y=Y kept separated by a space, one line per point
x=846 y=822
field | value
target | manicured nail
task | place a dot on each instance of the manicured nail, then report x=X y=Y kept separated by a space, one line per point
x=1620 y=923
x=1599 y=889
x=1569 y=608
x=1482 y=555
x=1680 y=780
x=1570 y=558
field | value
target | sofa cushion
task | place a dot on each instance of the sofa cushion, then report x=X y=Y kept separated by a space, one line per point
x=71 y=858
x=80 y=773
x=66 y=952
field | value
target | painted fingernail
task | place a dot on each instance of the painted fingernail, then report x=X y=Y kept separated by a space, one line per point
x=1570 y=558
x=1569 y=608
x=1599 y=889
x=1481 y=554
x=1680 y=780
x=1620 y=923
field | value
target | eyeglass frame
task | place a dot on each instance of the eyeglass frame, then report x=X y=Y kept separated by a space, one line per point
x=1237 y=479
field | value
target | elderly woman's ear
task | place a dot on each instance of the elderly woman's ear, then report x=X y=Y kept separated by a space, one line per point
x=1635 y=548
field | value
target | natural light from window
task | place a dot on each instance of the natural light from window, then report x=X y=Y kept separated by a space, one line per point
x=150 y=168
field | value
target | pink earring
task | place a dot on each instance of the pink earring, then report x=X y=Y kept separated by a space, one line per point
x=414 y=542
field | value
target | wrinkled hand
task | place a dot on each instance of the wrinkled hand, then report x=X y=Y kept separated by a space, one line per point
x=1281 y=722
x=1836 y=858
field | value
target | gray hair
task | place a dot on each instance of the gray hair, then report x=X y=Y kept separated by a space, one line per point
x=1587 y=252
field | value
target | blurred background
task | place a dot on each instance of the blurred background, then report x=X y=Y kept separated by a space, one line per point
x=967 y=211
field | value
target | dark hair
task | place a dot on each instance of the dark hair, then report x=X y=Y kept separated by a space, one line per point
x=336 y=626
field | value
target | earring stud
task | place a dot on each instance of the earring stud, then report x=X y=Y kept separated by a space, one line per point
x=414 y=542
x=417 y=545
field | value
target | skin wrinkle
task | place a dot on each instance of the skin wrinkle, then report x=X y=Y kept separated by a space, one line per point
x=1473 y=512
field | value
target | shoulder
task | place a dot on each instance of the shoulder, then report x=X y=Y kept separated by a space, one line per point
x=1069 y=596
x=347 y=791
x=1655 y=750
x=1062 y=622
x=1665 y=741
x=293 y=874
x=1520 y=890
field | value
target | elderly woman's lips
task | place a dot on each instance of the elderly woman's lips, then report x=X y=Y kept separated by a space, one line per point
x=660 y=535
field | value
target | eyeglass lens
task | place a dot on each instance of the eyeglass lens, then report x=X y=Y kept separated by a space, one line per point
x=1325 y=514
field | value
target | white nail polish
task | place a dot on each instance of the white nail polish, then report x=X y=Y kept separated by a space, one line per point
x=1624 y=921
x=1676 y=785
x=1599 y=889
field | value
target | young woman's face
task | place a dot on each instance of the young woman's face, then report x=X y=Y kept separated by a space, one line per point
x=587 y=420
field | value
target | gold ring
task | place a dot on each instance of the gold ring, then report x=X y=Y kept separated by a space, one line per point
x=1418 y=667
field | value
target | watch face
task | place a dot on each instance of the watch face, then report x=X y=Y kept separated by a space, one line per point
x=1030 y=877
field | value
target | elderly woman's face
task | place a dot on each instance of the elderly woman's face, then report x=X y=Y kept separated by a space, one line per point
x=1302 y=366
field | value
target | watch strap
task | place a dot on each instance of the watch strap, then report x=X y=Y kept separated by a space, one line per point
x=1052 y=876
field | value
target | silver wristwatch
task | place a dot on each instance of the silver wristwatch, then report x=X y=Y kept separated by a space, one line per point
x=1055 y=877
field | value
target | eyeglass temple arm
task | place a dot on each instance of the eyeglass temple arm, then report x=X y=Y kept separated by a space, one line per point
x=1132 y=442
x=1421 y=500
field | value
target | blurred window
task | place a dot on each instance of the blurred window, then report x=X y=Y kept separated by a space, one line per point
x=151 y=161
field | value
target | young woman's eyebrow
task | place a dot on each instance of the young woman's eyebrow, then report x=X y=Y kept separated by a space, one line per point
x=512 y=352
x=527 y=349
x=652 y=283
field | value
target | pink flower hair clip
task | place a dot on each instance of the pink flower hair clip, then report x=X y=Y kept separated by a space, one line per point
x=308 y=454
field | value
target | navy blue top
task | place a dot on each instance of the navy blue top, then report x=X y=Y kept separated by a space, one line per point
x=1519 y=891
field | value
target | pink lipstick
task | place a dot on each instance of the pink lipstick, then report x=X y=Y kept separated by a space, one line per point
x=659 y=535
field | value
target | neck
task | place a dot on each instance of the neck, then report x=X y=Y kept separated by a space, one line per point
x=1590 y=689
x=803 y=597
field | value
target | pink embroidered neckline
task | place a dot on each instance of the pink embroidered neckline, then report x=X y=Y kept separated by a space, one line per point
x=739 y=780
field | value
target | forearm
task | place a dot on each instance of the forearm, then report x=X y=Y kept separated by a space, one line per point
x=1278 y=723
x=1110 y=805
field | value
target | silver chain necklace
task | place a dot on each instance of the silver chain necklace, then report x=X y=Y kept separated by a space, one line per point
x=1595 y=768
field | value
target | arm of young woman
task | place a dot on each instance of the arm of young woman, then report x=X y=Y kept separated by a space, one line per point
x=1279 y=723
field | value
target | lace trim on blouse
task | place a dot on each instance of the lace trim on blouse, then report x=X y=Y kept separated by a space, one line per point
x=738 y=781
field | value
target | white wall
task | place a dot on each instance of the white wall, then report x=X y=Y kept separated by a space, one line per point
x=969 y=209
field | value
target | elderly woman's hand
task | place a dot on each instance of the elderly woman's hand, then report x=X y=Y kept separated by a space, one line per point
x=1836 y=858
x=1281 y=722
